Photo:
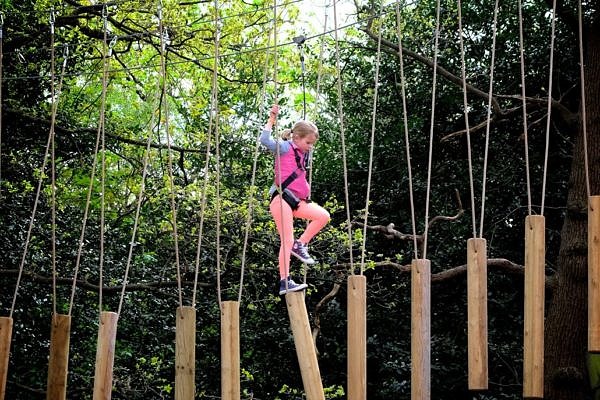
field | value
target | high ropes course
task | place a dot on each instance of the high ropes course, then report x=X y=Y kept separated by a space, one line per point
x=185 y=329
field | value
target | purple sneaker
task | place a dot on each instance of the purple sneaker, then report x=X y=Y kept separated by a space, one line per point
x=300 y=251
x=291 y=286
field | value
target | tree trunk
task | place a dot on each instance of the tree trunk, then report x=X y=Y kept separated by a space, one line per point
x=566 y=323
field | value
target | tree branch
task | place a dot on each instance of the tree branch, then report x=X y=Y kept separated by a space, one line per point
x=108 y=290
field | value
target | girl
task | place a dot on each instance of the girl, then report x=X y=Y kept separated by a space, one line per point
x=290 y=194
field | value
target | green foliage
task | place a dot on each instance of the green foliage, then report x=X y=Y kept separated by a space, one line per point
x=151 y=135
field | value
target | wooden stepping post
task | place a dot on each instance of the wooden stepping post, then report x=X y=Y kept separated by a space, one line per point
x=185 y=353
x=230 y=350
x=533 y=349
x=477 y=313
x=594 y=274
x=105 y=355
x=305 y=348
x=421 y=329
x=58 y=364
x=357 y=337
x=6 y=326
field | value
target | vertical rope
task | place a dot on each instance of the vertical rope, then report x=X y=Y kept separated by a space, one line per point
x=53 y=162
x=431 y=128
x=1 y=100
x=213 y=101
x=342 y=134
x=203 y=197
x=583 y=102
x=252 y=195
x=277 y=152
x=549 y=110
x=89 y=195
x=466 y=113
x=163 y=70
x=488 y=118
x=524 y=101
x=217 y=161
x=406 y=133
x=106 y=53
x=372 y=143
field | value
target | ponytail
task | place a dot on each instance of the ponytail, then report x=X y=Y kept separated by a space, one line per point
x=286 y=134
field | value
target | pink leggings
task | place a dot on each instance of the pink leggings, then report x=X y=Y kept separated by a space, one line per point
x=284 y=219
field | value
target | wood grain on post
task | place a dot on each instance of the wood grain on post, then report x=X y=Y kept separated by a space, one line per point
x=594 y=274
x=421 y=329
x=357 y=337
x=477 y=313
x=185 y=353
x=58 y=364
x=533 y=346
x=105 y=355
x=6 y=326
x=230 y=350
x=305 y=349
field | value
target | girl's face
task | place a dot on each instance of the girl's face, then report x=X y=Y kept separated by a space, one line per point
x=306 y=143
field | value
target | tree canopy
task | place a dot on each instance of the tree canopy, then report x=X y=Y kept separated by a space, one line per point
x=129 y=156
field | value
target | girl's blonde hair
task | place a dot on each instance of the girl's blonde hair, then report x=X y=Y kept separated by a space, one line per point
x=300 y=129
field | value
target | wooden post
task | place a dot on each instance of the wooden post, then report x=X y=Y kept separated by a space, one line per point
x=230 y=350
x=58 y=363
x=305 y=348
x=594 y=274
x=533 y=351
x=477 y=313
x=185 y=353
x=105 y=355
x=357 y=337
x=6 y=325
x=421 y=329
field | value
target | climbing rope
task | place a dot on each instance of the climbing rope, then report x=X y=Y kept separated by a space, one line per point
x=431 y=128
x=217 y=163
x=54 y=90
x=524 y=105
x=488 y=118
x=1 y=76
x=212 y=111
x=252 y=193
x=163 y=70
x=406 y=131
x=549 y=109
x=107 y=53
x=583 y=102
x=372 y=144
x=342 y=134
x=466 y=112
x=106 y=50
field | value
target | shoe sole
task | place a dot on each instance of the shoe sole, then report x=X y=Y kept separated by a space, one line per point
x=298 y=288
x=304 y=260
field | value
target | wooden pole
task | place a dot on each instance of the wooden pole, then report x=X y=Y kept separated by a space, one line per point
x=105 y=355
x=6 y=325
x=230 y=350
x=533 y=352
x=185 y=353
x=477 y=313
x=594 y=274
x=357 y=337
x=58 y=363
x=305 y=348
x=421 y=329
